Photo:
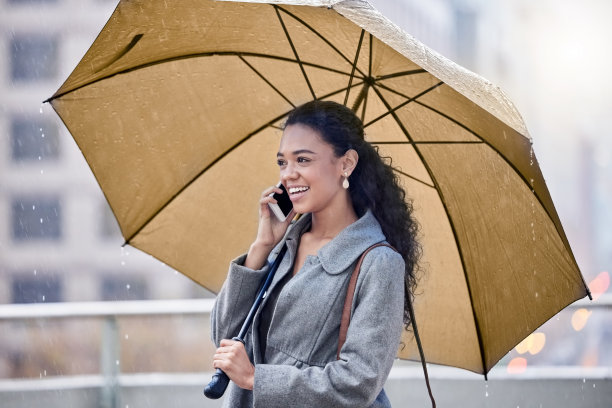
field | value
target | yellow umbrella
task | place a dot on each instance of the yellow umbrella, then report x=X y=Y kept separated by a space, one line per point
x=177 y=107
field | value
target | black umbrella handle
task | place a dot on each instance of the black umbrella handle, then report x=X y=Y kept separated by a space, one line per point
x=219 y=382
x=216 y=387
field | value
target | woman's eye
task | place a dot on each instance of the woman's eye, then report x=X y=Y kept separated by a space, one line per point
x=302 y=160
x=280 y=163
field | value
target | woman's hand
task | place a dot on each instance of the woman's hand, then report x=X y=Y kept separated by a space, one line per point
x=269 y=232
x=232 y=358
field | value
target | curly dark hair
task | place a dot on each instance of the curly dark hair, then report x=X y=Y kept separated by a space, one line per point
x=373 y=184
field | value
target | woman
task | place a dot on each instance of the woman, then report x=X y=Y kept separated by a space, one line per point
x=351 y=200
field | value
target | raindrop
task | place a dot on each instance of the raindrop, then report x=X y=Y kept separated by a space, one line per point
x=45 y=373
x=127 y=337
x=127 y=286
x=41 y=220
x=41 y=111
x=39 y=157
x=117 y=362
x=41 y=172
x=122 y=263
x=34 y=272
x=33 y=207
x=584 y=380
x=43 y=298
x=593 y=385
x=486 y=390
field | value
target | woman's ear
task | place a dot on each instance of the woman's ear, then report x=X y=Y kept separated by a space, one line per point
x=349 y=161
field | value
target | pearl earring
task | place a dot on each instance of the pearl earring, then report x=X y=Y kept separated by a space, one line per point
x=345 y=183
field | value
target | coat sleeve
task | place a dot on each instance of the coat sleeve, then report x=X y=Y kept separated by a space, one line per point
x=235 y=299
x=372 y=341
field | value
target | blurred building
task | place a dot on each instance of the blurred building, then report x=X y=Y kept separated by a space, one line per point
x=58 y=238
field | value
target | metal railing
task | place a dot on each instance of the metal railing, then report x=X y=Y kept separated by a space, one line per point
x=110 y=380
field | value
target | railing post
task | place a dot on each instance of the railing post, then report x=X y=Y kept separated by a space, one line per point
x=109 y=364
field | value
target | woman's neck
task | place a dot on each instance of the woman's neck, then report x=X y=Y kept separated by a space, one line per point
x=328 y=223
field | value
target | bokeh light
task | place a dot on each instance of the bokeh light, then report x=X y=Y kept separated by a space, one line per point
x=533 y=344
x=517 y=365
x=599 y=285
x=580 y=318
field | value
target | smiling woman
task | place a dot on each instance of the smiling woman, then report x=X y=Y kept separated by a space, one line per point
x=351 y=201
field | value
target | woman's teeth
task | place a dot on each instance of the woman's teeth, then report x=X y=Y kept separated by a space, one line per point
x=295 y=190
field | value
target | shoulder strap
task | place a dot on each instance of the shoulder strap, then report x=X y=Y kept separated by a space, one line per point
x=348 y=301
x=346 y=317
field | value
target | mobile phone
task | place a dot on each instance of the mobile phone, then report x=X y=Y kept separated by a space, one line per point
x=284 y=205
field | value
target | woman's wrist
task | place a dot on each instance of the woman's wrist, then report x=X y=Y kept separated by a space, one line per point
x=257 y=255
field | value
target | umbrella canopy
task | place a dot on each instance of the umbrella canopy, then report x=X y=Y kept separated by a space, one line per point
x=178 y=106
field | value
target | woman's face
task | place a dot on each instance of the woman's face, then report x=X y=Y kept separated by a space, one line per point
x=309 y=169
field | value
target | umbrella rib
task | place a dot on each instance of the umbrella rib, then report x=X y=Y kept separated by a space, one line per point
x=403 y=73
x=370 y=56
x=450 y=221
x=121 y=53
x=196 y=55
x=228 y=151
x=297 y=57
x=414 y=178
x=318 y=35
x=348 y=89
x=391 y=111
x=365 y=97
x=266 y=81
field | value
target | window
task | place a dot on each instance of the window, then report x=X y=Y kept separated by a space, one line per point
x=33 y=57
x=34 y=139
x=37 y=289
x=124 y=288
x=36 y=219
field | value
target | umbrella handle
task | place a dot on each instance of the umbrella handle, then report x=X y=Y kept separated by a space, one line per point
x=216 y=387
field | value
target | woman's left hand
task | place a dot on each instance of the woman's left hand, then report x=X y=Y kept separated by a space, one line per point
x=232 y=358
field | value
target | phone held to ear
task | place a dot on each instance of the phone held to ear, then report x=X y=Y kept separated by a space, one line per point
x=284 y=205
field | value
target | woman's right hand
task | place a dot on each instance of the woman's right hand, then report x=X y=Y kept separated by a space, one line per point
x=269 y=232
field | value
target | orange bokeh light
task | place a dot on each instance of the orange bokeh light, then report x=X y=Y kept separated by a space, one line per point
x=517 y=365
x=599 y=285
x=534 y=343
x=579 y=319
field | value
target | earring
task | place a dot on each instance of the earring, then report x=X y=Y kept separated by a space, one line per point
x=345 y=183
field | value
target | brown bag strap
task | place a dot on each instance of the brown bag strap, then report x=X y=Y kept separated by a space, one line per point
x=346 y=317
x=348 y=301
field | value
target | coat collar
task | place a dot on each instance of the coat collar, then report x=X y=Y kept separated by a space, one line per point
x=341 y=252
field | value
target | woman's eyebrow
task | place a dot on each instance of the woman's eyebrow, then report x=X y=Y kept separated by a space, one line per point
x=295 y=153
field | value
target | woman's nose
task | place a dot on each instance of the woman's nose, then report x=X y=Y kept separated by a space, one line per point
x=289 y=172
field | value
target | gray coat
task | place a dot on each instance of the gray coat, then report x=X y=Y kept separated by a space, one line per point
x=301 y=369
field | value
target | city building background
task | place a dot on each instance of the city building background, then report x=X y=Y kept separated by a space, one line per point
x=59 y=241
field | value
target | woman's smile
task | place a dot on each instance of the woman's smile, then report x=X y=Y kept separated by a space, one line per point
x=297 y=192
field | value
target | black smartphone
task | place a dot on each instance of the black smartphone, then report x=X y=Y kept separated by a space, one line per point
x=284 y=206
